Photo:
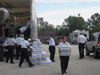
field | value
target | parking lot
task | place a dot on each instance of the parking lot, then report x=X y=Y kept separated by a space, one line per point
x=86 y=66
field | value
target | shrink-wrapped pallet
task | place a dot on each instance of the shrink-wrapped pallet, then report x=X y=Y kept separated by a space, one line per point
x=39 y=59
x=37 y=52
x=34 y=59
x=39 y=44
x=38 y=48
x=46 y=63
x=34 y=44
x=44 y=55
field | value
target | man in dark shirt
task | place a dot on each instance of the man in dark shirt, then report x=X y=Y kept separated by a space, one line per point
x=2 y=28
x=1 y=47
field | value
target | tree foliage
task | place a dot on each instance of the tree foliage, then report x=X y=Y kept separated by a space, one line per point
x=71 y=23
x=94 y=23
x=48 y=28
x=74 y=23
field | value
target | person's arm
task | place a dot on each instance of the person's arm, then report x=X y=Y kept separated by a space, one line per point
x=69 y=48
x=29 y=47
x=16 y=44
x=3 y=29
x=2 y=45
x=70 y=51
x=49 y=40
x=59 y=51
x=85 y=40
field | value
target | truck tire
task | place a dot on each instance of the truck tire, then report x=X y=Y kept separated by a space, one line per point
x=87 y=52
x=96 y=54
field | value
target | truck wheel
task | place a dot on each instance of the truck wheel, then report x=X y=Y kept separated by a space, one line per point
x=96 y=54
x=87 y=52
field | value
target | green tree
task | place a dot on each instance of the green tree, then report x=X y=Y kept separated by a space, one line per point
x=74 y=23
x=47 y=28
x=71 y=23
x=94 y=23
x=61 y=30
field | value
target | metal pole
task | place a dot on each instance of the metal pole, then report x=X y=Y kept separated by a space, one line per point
x=33 y=21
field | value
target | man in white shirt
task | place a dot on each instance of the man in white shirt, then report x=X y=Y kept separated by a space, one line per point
x=18 y=40
x=24 y=53
x=81 y=41
x=52 y=48
x=11 y=42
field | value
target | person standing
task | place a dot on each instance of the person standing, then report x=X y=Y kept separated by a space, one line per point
x=64 y=54
x=18 y=40
x=24 y=53
x=11 y=43
x=52 y=48
x=2 y=41
x=27 y=31
x=60 y=40
x=2 y=28
x=81 y=42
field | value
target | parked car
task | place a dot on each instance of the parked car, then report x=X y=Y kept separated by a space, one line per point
x=93 y=45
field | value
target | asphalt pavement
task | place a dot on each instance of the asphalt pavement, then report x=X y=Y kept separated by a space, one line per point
x=86 y=66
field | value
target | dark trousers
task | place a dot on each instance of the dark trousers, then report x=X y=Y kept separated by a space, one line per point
x=52 y=52
x=10 y=54
x=1 y=54
x=18 y=51
x=27 y=33
x=81 y=50
x=64 y=63
x=24 y=55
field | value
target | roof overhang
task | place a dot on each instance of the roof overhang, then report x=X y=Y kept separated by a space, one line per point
x=18 y=8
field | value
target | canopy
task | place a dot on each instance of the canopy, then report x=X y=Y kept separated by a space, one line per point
x=18 y=8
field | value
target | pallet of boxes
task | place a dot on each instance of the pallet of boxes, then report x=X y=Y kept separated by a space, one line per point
x=39 y=57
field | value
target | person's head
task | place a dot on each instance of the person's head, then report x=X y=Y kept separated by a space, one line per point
x=11 y=36
x=52 y=35
x=26 y=38
x=6 y=21
x=22 y=36
x=28 y=18
x=60 y=39
x=64 y=39
x=81 y=33
x=18 y=35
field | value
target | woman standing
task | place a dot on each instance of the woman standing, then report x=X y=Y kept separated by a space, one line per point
x=64 y=53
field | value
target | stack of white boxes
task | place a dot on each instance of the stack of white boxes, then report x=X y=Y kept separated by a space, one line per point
x=65 y=51
x=39 y=57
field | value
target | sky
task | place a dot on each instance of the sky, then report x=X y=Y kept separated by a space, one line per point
x=55 y=11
